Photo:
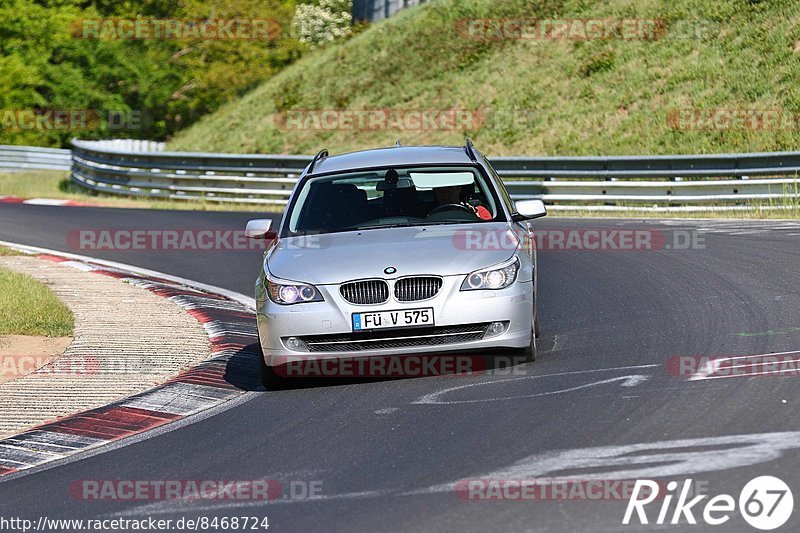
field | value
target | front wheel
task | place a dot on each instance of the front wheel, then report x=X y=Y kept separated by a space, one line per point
x=530 y=351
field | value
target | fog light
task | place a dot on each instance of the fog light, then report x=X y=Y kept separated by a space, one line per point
x=293 y=343
x=494 y=329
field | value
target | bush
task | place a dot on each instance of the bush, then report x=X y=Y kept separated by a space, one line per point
x=158 y=86
x=322 y=23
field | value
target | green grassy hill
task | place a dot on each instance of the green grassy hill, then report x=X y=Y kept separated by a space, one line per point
x=557 y=97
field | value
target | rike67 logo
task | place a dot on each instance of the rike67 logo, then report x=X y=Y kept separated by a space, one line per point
x=765 y=503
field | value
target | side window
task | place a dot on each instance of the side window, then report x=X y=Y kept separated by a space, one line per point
x=504 y=196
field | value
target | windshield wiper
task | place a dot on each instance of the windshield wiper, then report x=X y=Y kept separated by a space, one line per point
x=378 y=226
x=441 y=223
x=402 y=225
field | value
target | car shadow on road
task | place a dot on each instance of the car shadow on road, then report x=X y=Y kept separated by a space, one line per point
x=243 y=369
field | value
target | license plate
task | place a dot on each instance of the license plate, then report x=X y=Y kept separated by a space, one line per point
x=405 y=318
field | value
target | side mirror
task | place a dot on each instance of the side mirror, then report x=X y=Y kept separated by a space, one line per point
x=258 y=228
x=529 y=209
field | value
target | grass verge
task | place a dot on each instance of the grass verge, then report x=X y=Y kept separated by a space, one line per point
x=28 y=307
x=8 y=251
x=754 y=213
x=57 y=185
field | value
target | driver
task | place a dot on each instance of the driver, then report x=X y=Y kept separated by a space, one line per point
x=452 y=195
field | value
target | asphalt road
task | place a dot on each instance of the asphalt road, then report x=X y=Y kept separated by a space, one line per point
x=385 y=454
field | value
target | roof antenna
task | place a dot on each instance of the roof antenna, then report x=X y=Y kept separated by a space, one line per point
x=470 y=150
x=397 y=144
x=322 y=154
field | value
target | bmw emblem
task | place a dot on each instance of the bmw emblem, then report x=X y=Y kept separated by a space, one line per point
x=389 y=270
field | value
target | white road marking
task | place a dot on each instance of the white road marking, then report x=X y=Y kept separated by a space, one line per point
x=203 y=302
x=733 y=227
x=195 y=506
x=79 y=266
x=44 y=201
x=50 y=441
x=180 y=398
x=19 y=456
x=218 y=329
x=651 y=460
x=747 y=375
x=627 y=381
x=712 y=366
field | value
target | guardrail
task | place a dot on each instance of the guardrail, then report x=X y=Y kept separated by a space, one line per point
x=128 y=145
x=31 y=157
x=692 y=182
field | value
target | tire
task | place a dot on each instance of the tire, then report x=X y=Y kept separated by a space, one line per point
x=530 y=351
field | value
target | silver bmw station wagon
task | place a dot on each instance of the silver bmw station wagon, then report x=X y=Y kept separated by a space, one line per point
x=394 y=251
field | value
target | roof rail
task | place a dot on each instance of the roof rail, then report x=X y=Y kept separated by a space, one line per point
x=397 y=144
x=470 y=150
x=322 y=154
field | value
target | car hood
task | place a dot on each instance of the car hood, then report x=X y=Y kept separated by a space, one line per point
x=445 y=250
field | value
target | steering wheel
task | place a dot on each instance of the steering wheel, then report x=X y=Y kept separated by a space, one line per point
x=451 y=206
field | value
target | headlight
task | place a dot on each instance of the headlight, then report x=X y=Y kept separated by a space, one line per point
x=492 y=278
x=288 y=293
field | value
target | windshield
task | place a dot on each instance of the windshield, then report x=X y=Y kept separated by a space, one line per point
x=393 y=197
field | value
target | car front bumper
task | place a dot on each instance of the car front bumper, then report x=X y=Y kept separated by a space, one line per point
x=332 y=318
